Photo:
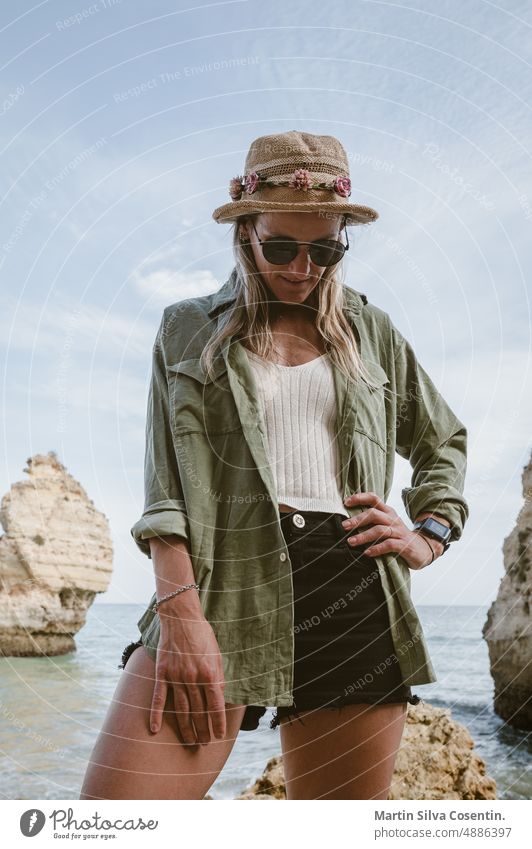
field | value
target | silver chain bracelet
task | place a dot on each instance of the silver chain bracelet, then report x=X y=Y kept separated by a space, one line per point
x=155 y=607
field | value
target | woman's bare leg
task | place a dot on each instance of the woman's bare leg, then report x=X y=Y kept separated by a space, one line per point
x=342 y=754
x=129 y=762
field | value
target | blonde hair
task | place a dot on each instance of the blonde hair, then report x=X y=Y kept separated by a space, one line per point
x=249 y=316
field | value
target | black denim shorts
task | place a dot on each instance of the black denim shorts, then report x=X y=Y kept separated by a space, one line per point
x=344 y=652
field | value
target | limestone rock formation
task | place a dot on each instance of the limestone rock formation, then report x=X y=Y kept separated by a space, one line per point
x=507 y=629
x=55 y=555
x=436 y=760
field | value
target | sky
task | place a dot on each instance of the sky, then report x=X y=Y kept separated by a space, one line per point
x=121 y=126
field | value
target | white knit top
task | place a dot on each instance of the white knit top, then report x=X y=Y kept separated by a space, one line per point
x=298 y=405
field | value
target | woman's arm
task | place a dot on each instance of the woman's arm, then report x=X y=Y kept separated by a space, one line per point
x=188 y=656
x=435 y=544
x=433 y=439
x=173 y=568
x=164 y=506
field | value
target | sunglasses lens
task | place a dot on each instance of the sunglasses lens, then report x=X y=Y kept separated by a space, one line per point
x=282 y=251
x=327 y=253
x=279 y=251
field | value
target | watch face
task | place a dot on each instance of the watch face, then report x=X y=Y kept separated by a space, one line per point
x=441 y=531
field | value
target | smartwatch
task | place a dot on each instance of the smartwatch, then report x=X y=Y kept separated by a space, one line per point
x=437 y=530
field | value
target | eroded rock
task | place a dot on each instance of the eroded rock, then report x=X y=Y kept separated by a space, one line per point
x=55 y=555
x=507 y=629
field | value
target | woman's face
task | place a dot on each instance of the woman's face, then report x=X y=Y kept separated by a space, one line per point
x=294 y=281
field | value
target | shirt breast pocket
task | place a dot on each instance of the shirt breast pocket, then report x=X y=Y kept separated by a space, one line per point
x=370 y=413
x=199 y=403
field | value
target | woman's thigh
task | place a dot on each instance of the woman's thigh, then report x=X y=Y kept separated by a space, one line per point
x=346 y=753
x=129 y=762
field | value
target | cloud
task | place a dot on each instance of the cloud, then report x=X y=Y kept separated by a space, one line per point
x=70 y=328
x=166 y=286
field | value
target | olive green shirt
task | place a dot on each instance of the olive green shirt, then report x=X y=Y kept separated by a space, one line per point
x=208 y=479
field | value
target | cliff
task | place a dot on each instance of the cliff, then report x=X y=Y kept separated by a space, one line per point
x=507 y=629
x=55 y=555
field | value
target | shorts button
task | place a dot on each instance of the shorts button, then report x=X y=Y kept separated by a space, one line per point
x=282 y=556
x=298 y=520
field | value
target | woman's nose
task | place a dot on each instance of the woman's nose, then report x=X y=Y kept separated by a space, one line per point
x=301 y=264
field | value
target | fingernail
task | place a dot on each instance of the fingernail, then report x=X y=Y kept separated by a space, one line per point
x=154 y=727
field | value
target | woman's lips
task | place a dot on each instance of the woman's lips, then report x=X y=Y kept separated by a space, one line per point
x=297 y=280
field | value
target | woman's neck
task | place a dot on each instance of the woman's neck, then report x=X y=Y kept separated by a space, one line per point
x=282 y=314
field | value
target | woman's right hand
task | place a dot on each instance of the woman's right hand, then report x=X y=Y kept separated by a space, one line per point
x=189 y=661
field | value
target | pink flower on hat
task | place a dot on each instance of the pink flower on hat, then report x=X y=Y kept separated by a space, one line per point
x=342 y=186
x=235 y=188
x=300 y=179
x=252 y=181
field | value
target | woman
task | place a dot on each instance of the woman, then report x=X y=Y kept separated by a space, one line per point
x=275 y=410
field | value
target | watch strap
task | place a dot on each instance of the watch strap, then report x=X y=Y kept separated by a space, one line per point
x=427 y=531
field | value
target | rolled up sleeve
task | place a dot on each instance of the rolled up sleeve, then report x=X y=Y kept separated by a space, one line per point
x=164 y=507
x=433 y=439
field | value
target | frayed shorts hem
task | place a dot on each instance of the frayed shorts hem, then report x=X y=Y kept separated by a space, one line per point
x=128 y=651
x=337 y=704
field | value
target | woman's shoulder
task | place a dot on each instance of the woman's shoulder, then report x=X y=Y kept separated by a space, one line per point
x=186 y=309
x=361 y=306
x=186 y=326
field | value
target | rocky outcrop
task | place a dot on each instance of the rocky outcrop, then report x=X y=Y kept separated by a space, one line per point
x=507 y=629
x=55 y=555
x=436 y=760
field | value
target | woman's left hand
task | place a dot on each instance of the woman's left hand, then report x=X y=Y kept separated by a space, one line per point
x=388 y=531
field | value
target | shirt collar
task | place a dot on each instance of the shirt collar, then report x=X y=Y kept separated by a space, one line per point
x=353 y=300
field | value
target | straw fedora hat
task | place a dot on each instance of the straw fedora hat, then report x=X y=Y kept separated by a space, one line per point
x=294 y=172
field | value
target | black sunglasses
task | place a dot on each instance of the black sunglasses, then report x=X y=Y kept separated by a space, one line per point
x=280 y=250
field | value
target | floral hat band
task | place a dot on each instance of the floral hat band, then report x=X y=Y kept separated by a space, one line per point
x=300 y=179
x=294 y=172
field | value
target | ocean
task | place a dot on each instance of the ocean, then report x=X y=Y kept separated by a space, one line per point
x=52 y=708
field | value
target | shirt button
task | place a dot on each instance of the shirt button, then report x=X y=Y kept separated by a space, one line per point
x=282 y=556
